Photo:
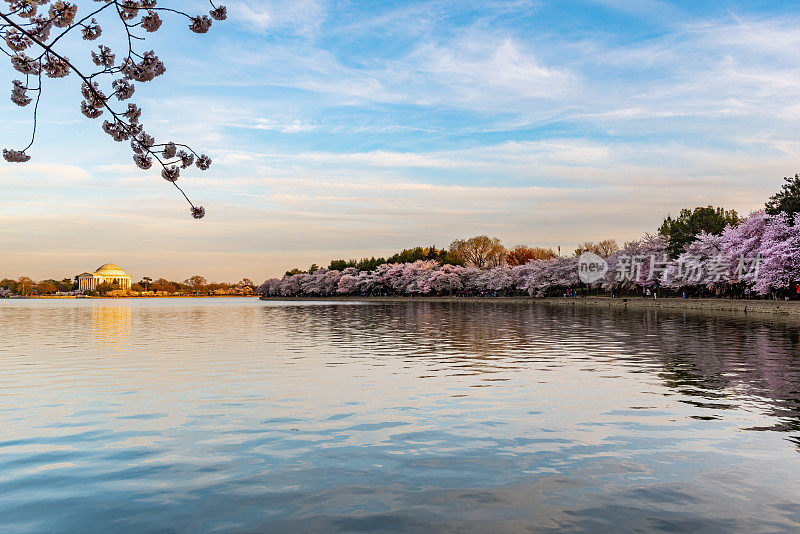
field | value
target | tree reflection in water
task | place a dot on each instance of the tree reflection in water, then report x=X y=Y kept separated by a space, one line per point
x=713 y=361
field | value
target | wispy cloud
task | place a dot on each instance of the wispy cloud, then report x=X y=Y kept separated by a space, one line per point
x=302 y=17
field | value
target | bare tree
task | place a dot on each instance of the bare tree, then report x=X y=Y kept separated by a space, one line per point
x=521 y=254
x=196 y=282
x=24 y=285
x=35 y=33
x=604 y=248
x=481 y=251
x=607 y=247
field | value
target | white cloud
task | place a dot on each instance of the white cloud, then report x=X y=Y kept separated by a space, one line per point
x=299 y=16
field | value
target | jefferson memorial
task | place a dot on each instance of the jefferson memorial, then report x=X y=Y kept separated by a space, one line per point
x=113 y=274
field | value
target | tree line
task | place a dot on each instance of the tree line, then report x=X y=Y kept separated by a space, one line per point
x=482 y=251
x=704 y=251
x=196 y=285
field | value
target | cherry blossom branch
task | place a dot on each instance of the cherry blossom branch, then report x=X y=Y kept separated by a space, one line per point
x=23 y=28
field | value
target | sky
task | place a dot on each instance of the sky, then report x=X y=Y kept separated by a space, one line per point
x=351 y=129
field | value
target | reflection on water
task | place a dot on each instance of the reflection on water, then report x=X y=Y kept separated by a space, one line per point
x=240 y=415
x=111 y=325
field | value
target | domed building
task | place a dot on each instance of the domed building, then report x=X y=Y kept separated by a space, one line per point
x=108 y=273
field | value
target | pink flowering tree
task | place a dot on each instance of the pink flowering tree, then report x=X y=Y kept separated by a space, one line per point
x=710 y=262
x=744 y=240
x=348 y=284
x=368 y=283
x=270 y=287
x=471 y=280
x=36 y=34
x=415 y=277
x=500 y=279
x=292 y=285
x=639 y=263
x=540 y=277
x=701 y=265
x=388 y=277
x=741 y=245
x=780 y=254
x=532 y=277
x=446 y=279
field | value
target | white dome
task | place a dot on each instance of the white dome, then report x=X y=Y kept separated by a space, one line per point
x=109 y=269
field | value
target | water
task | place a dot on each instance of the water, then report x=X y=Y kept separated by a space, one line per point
x=235 y=415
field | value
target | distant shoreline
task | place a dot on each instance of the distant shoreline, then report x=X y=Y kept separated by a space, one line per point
x=130 y=297
x=743 y=307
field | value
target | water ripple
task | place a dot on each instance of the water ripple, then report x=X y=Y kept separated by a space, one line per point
x=245 y=416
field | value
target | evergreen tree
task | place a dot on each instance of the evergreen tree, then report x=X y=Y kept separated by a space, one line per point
x=690 y=223
x=787 y=200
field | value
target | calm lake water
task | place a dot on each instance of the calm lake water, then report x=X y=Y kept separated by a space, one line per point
x=236 y=415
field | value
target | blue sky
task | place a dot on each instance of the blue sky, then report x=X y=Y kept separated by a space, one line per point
x=342 y=129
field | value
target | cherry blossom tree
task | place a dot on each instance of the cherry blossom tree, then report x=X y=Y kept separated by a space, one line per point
x=709 y=262
x=742 y=246
x=500 y=279
x=348 y=284
x=780 y=254
x=639 y=263
x=368 y=282
x=415 y=277
x=539 y=277
x=292 y=285
x=702 y=265
x=36 y=34
x=471 y=280
x=270 y=287
x=744 y=240
x=446 y=279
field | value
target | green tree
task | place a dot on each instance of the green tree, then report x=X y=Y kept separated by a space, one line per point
x=408 y=255
x=370 y=264
x=105 y=287
x=684 y=229
x=66 y=285
x=787 y=199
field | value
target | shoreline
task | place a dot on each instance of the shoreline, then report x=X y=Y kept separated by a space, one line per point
x=739 y=307
x=56 y=297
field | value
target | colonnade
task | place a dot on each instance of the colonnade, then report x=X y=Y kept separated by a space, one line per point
x=88 y=284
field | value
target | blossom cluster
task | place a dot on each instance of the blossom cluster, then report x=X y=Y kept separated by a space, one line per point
x=34 y=34
x=761 y=254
